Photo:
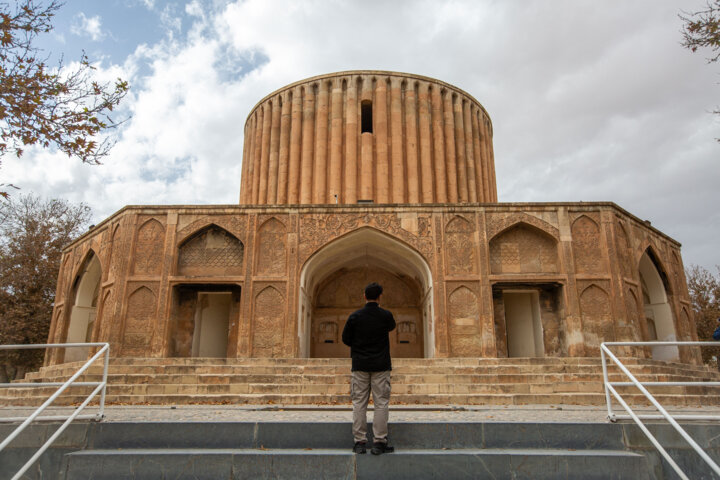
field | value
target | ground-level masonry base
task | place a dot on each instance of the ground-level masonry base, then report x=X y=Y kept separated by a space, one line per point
x=443 y=450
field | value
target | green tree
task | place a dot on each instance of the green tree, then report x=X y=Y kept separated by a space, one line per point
x=54 y=107
x=704 y=288
x=33 y=232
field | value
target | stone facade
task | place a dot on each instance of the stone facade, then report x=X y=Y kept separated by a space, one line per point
x=277 y=275
x=293 y=274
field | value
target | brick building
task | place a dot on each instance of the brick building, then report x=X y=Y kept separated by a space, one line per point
x=366 y=176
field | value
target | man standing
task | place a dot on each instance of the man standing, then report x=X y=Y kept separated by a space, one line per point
x=366 y=333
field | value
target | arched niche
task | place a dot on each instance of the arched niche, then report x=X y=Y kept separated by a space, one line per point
x=211 y=251
x=338 y=272
x=523 y=248
x=597 y=321
x=84 y=310
x=586 y=245
x=658 y=313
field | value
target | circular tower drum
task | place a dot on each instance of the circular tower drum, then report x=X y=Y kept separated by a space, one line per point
x=368 y=137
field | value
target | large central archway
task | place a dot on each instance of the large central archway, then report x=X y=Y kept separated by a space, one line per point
x=331 y=287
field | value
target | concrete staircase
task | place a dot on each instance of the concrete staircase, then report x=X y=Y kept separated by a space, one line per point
x=317 y=450
x=469 y=381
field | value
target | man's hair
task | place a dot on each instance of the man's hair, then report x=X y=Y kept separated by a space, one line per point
x=373 y=291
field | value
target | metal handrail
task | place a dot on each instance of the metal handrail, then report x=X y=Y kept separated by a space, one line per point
x=100 y=387
x=610 y=388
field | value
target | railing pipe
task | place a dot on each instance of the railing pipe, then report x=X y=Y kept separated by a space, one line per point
x=99 y=387
x=650 y=436
x=47 y=384
x=676 y=417
x=604 y=348
x=51 y=345
x=89 y=416
x=611 y=415
x=57 y=433
x=671 y=384
x=52 y=398
x=101 y=410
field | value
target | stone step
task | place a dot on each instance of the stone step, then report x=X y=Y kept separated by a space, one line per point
x=339 y=389
x=396 y=361
x=577 y=398
x=319 y=434
x=397 y=378
x=336 y=463
x=412 y=435
x=415 y=381
x=336 y=370
x=281 y=449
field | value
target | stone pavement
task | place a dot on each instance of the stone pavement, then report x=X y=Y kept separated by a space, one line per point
x=313 y=413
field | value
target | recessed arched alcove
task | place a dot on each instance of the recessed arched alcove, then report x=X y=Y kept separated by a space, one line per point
x=84 y=311
x=331 y=287
x=658 y=314
x=210 y=251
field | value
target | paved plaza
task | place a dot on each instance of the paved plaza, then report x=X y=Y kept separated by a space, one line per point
x=342 y=413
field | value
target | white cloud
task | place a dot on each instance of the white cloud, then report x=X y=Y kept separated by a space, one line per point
x=88 y=26
x=589 y=100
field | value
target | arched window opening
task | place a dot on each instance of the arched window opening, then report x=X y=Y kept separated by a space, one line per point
x=85 y=302
x=366 y=117
x=658 y=313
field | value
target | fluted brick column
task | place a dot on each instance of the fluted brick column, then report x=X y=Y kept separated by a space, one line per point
x=272 y=182
x=336 y=141
x=398 y=173
x=307 y=144
x=284 y=150
x=438 y=147
x=469 y=153
x=426 y=141
x=450 y=159
x=351 y=136
x=411 y=145
x=380 y=119
x=462 y=177
x=265 y=157
x=321 y=142
x=295 y=147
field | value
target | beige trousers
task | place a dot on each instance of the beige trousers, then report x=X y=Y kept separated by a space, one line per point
x=360 y=386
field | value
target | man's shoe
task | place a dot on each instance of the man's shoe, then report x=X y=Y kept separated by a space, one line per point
x=379 y=448
x=359 y=447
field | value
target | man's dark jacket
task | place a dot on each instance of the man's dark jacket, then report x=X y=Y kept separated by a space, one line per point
x=366 y=333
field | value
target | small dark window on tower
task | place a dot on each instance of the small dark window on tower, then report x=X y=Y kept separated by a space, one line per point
x=366 y=114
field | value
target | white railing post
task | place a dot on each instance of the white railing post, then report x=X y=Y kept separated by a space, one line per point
x=610 y=386
x=106 y=364
x=100 y=387
x=611 y=415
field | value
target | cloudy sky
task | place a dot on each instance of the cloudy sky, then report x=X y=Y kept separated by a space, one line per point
x=590 y=101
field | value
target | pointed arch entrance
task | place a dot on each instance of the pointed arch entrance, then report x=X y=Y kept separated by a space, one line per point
x=658 y=313
x=84 y=311
x=331 y=287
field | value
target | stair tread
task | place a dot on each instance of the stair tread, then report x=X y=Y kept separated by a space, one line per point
x=347 y=451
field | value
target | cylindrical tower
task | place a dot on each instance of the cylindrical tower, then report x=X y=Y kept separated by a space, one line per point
x=368 y=136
